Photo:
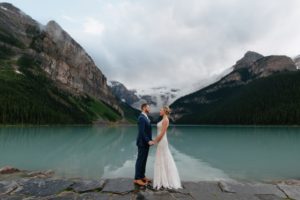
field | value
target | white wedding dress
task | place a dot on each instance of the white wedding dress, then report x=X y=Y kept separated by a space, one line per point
x=165 y=171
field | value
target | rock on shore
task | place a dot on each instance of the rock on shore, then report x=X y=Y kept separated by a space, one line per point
x=23 y=184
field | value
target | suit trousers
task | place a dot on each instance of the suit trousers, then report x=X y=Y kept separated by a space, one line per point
x=140 y=165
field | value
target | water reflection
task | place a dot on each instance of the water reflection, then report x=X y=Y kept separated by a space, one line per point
x=201 y=153
x=189 y=168
x=71 y=151
x=263 y=153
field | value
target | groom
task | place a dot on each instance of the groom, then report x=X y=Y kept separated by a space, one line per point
x=143 y=142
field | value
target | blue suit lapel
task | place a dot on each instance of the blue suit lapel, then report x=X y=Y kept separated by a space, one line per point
x=145 y=118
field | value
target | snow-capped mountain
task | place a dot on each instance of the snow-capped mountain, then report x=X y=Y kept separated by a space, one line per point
x=156 y=97
x=297 y=61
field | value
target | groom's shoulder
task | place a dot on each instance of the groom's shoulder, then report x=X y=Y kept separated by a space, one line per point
x=140 y=116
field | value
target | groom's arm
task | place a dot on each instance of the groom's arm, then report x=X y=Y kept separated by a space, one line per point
x=142 y=124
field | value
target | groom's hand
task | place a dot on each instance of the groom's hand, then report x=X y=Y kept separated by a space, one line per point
x=151 y=142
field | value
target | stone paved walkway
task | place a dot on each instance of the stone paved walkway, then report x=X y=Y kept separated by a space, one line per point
x=41 y=186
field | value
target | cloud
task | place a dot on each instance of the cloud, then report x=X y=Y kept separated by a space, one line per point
x=177 y=43
x=68 y=18
x=93 y=26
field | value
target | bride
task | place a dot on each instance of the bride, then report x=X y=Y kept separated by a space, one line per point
x=165 y=171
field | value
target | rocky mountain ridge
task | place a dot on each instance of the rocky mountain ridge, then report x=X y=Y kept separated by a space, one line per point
x=57 y=53
x=251 y=67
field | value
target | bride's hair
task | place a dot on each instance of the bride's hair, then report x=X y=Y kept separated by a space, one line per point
x=167 y=110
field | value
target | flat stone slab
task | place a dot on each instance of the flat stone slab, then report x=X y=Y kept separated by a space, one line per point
x=292 y=191
x=160 y=195
x=87 y=185
x=182 y=190
x=54 y=188
x=181 y=196
x=269 y=197
x=40 y=187
x=202 y=190
x=122 y=197
x=210 y=190
x=95 y=196
x=7 y=186
x=67 y=195
x=119 y=186
x=251 y=188
x=13 y=197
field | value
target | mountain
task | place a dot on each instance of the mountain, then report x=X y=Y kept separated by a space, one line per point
x=156 y=97
x=249 y=58
x=297 y=61
x=124 y=94
x=259 y=90
x=47 y=77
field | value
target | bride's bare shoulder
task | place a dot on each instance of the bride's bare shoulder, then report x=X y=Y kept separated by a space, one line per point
x=165 y=120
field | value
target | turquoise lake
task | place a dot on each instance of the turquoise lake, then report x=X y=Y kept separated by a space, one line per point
x=200 y=152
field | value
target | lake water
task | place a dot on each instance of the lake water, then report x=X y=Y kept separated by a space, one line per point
x=200 y=152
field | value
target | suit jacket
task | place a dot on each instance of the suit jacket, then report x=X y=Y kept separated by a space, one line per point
x=145 y=131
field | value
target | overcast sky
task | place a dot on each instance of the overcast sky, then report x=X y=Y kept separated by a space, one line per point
x=172 y=42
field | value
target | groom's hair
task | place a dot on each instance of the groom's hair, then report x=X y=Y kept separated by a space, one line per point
x=143 y=106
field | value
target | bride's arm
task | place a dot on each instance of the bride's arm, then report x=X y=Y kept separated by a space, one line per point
x=165 y=124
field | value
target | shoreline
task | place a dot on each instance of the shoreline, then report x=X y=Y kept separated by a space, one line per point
x=121 y=124
x=24 y=184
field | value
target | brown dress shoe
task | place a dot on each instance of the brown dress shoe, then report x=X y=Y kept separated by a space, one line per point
x=139 y=182
x=146 y=179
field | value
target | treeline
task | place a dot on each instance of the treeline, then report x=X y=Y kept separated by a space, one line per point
x=272 y=100
x=32 y=98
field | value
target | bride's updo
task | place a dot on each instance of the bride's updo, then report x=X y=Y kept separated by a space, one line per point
x=167 y=110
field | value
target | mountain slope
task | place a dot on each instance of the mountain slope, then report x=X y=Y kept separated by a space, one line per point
x=28 y=96
x=47 y=77
x=249 y=95
x=156 y=97
x=124 y=94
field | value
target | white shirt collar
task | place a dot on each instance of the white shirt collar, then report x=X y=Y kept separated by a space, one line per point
x=145 y=114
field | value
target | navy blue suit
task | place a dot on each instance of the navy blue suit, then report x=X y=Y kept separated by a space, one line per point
x=143 y=137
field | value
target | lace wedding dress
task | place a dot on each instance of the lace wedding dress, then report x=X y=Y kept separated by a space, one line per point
x=165 y=171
